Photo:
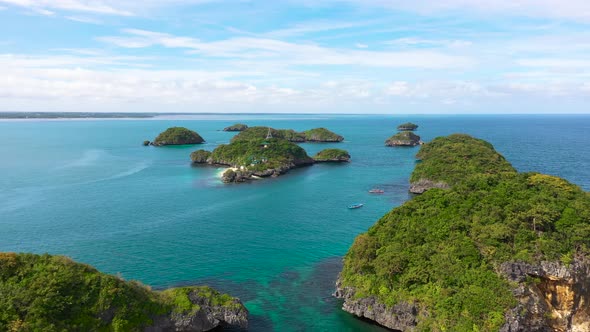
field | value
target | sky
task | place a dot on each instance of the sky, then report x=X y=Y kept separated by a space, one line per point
x=296 y=56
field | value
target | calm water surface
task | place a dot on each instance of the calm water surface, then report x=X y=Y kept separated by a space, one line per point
x=89 y=190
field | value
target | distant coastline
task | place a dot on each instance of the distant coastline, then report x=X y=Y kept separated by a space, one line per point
x=232 y=115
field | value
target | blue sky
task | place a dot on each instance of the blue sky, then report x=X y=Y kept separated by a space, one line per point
x=330 y=56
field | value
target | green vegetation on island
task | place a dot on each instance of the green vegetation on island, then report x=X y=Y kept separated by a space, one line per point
x=200 y=156
x=236 y=127
x=54 y=293
x=435 y=263
x=332 y=155
x=447 y=160
x=408 y=126
x=312 y=135
x=322 y=135
x=404 y=138
x=261 y=154
x=178 y=136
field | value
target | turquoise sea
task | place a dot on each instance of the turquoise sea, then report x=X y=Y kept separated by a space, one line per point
x=88 y=189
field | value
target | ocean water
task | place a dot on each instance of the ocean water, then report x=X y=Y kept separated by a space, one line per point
x=89 y=190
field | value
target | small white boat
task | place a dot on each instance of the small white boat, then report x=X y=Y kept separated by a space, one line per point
x=356 y=206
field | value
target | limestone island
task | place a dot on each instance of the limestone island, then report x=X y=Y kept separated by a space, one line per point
x=177 y=136
x=312 y=135
x=497 y=250
x=445 y=160
x=332 y=155
x=408 y=126
x=54 y=293
x=236 y=127
x=258 y=157
x=250 y=156
x=405 y=138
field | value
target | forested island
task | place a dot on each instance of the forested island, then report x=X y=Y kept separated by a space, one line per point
x=404 y=138
x=312 y=135
x=54 y=293
x=260 y=152
x=176 y=136
x=408 y=126
x=236 y=127
x=487 y=249
x=332 y=155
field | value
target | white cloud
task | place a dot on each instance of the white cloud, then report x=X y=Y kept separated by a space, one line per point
x=360 y=45
x=98 y=7
x=291 y=53
x=578 y=64
x=414 y=41
x=83 y=19
x=578 y=10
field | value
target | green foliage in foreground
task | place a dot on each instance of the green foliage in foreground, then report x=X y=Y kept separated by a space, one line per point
x=440 y=249
x=451 y=158
x=255 y=156
x=332 y=154
x=407 y=126
x=54 y=293
x=177 y=136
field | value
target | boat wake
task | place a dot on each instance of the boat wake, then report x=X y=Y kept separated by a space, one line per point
x=89 y=158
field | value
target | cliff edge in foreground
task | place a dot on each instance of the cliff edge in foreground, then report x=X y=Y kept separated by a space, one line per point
x=54 y=293
x=495 y=251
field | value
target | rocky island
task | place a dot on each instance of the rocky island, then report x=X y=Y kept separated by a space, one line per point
x=54 y=293
x=408 y=126
x=444 y=161
x=257 y=157
x=321 y=135
x=236 y=127
x=405 y=138
x=200 y=156
x=332 y=155
x=176 y=136
x=497 y=250
x=312 y=135
x=260 y=152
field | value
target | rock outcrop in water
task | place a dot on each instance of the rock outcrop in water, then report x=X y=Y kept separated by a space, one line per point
x=497 y=250
x=54 y=293
x=177 y=136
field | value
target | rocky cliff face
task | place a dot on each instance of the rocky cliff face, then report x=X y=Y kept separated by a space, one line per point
x=402 y=316
x=419 y=187
x=552 y=296
x=209 y=316
x=405 y=138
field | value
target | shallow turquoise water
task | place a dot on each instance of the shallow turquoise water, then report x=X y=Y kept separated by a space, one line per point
x=89 y=190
